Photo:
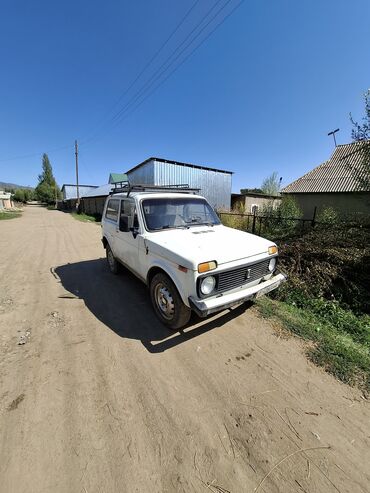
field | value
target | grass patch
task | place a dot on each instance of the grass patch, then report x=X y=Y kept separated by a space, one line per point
x=341 y=339
x=86 y=218
x=9 y=215
x=50 y=207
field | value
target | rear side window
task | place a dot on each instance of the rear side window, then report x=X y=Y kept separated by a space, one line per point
x=112 y=210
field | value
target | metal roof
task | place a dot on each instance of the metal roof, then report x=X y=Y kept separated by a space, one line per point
x=179 y=163
x=117 y=177
x=79 y=186
x=102 y=191
x=348 y=170
x=70 y=190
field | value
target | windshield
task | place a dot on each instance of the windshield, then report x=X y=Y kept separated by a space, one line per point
x=178 y=213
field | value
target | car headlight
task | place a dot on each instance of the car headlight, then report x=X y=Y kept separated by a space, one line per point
x=272 y=264
x=207 y=285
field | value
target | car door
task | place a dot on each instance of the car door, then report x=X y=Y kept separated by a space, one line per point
x=126 y=243
x=111 y=223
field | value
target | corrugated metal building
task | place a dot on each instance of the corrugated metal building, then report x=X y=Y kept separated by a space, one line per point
x=214 y=184
x=93 y=202
x=70 y=191
x=69 y=195
x=342 y=182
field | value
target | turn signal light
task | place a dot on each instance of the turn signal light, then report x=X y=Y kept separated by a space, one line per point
x=273 y=250
x=206 y=266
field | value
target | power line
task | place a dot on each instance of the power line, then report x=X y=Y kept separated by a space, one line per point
x=159 y=70
x=36 y=154
x=135 y=96
x=124 y=113
x=187 y=57
x=14 y=158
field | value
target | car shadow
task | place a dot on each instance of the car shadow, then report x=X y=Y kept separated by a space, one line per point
x=122 y=303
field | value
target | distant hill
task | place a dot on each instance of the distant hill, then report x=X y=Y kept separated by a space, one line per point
x=4 y=185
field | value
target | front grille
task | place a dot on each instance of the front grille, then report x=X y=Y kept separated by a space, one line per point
x=235 y=278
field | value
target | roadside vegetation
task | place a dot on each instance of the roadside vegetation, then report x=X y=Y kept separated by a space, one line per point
x=9 y=214
x=340 y=338
x=86 y=217
x=326 y=298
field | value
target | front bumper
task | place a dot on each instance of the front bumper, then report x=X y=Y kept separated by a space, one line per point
x=222 y=301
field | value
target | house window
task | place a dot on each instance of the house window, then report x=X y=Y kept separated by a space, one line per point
x=254 y=208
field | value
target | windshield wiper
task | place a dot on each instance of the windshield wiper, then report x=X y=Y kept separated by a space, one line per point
x=179 y=226
x=203 y=224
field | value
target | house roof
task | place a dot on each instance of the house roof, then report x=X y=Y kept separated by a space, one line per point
x=256 y=195
x=189 y=165
x=5 y=195
x=102 y=191
x=70 y=190
x=117 y=177
x=79 y=186
x=348 y=170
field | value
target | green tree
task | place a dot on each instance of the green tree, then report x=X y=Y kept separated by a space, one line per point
x=282 y=220
x=250 y=190
x=23 y=195
x=361 y=133
x=19 y=195
x=271 y=184
x=47 y=189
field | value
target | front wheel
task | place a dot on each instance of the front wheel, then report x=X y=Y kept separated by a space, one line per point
x=112 y=262
x=167 y=303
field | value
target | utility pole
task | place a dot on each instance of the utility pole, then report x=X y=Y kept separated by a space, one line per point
x=78 y=191
x=333 y=134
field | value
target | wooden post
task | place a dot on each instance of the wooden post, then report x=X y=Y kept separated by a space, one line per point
x=254 y=221
x=78 y=191
x=313 y=222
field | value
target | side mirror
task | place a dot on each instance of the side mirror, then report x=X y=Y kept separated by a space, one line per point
x=124 y=223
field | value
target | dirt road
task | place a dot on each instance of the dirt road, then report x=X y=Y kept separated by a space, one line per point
x=102 y=398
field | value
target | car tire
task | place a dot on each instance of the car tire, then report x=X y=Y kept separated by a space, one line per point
x=167 y=303
x=113 y=265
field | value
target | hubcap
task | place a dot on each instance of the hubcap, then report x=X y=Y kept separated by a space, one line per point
x=164 y=301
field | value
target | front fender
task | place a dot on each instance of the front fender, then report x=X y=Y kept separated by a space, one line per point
x=182 y=280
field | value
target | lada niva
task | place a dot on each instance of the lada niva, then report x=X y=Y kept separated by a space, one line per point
x=174 y=242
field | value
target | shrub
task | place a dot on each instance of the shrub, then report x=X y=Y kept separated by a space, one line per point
x=328 y=215
x=282 y=221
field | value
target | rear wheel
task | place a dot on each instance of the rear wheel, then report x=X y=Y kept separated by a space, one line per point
x=112 y=262
x=167 y=303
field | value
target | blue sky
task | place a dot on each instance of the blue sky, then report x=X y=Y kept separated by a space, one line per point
x=259 y=95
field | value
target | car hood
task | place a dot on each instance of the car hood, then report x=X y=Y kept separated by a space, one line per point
x=198 y=244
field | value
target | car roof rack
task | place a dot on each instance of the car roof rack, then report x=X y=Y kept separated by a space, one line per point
x=126 y=187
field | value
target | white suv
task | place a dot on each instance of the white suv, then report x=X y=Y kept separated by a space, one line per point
x=174 y=242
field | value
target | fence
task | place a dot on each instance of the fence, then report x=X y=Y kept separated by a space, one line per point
x=259 y=224
x=277 y=226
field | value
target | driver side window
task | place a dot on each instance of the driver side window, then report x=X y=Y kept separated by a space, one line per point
x=128 y=209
